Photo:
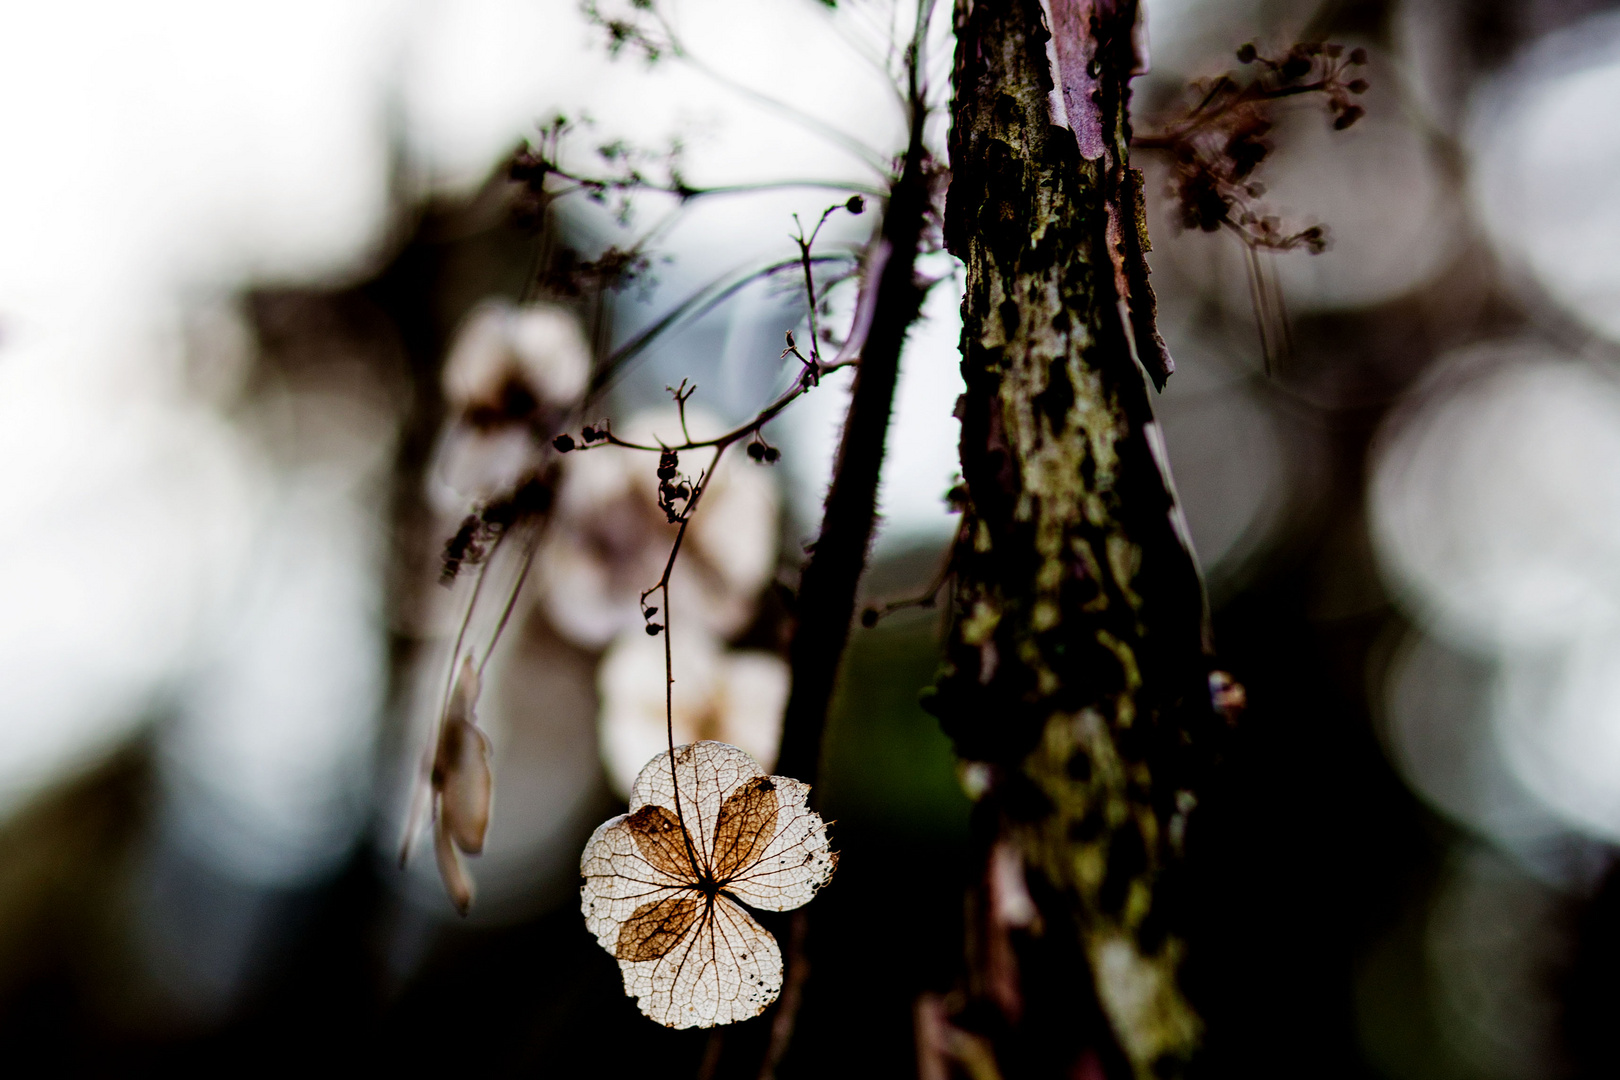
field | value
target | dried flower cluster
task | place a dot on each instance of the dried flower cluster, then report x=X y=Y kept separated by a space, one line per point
x=1218 y=144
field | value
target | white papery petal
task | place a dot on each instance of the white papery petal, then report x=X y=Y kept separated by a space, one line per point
x=727 y=968
x=796 y=863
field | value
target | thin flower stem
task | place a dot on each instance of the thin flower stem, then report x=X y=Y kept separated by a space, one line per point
x=829 y=132
x=687 y=193
x=662 y=588
x=694 y=307
x=1252 y=94
x=1258 y=299
x=529 y=550
x=810 y=279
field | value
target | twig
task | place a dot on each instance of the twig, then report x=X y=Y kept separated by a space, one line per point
x=928 y=597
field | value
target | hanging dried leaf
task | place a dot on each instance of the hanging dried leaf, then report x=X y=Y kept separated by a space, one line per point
x=665 y=885
x=461 y=768
x=456 y=787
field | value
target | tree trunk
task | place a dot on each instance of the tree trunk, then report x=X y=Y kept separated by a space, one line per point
x=1076 y=683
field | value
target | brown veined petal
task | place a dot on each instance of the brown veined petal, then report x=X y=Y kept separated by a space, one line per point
x=746 y=825
x=456 y=880
x=461 y=773
x=662 y=841
x=796 y=862
x=619 y=878
x=727 y=968
x=657 y=926
x=708 y=773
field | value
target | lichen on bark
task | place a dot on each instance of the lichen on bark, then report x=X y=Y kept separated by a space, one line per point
x=1076 y=670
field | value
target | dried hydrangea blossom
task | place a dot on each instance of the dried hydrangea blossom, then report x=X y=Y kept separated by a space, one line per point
x=732 y=697
x=664 y=887
x=609 y=540
x=511 y=375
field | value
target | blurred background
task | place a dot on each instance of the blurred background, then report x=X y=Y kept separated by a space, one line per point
x=265 y=290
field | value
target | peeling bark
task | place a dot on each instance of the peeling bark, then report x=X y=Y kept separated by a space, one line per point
x=1076 y=677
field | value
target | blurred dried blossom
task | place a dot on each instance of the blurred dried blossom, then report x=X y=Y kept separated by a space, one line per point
x=609 y=539
x=735 y=697
x=511 y=374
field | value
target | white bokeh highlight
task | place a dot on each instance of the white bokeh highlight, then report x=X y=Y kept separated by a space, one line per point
x=1544 y=151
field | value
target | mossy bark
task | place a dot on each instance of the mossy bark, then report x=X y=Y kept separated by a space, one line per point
x=1076 y=678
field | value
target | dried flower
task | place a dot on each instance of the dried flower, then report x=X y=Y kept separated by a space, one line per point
x=665 y=885
x=609 y=540
x=734 y=697
x=461 y=786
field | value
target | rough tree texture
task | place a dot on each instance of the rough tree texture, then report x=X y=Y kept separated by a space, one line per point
x=1076 y=674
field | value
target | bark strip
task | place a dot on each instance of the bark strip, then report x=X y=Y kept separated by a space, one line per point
x=1076 y=682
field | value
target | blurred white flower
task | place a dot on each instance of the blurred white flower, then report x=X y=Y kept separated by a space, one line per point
x=510 y=375
x=608 y=540
x=732 y=697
